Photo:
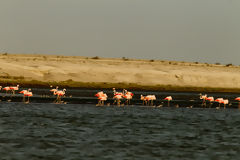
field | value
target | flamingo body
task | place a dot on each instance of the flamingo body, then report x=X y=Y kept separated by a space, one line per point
x=211 y=99
x=238 y=98
x=169 y=98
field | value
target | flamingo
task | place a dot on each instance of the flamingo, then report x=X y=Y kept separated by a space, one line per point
x=59 y=95
x=150 y=99
x=99 y=95
x=104 y=98
x=118 y=98
x=101 y=98
x=26 y=93
x=6 y=89
x=219 y=100
x=128 y=96
x=238 y=99
x=14 y=88
x=203 y=97
x=143 y=99
x=210 y=99
x=23 y=92
x=225 y=102
x=168 y=98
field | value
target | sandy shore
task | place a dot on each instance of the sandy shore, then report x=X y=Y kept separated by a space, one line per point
x=45 y=68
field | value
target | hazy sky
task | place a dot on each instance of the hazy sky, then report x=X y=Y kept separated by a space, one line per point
x=185 y=30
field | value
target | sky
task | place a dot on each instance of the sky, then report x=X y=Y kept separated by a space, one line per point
x=182 y=30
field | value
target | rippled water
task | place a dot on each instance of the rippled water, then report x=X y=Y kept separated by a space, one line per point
x=53 y=131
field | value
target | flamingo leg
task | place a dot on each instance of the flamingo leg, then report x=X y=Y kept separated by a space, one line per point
x=27 y=100
x=114 y=101
x=59 y=100
x=98 y=104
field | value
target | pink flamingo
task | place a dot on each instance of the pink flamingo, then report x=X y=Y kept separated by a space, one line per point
x=99 y=95
x=210 y=99
x=238 y=99
x=117 y=96
x=219 y=100
x=7 y=89
x=23 y=92
x=14 y=88
x=128 y=96
x=225 y=102
x=168 y=98
x=203 y=97
x=101 y=98
x=59 y=95
x=26 y=93
x=150 y=99
x=143 y=99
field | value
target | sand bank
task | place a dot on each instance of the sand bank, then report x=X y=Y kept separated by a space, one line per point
x=80 y=71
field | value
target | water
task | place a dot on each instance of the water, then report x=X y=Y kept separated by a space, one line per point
x=75 y=131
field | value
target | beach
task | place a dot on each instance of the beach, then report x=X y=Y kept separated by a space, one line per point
x=108 y=72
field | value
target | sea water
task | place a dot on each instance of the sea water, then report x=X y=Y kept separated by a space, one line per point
x=75 y=131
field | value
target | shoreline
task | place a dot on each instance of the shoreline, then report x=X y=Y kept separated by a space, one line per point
x=108 y=86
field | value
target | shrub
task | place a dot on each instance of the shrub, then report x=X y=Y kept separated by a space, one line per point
x=228 y=65
x=96 y=57
x=125 y=59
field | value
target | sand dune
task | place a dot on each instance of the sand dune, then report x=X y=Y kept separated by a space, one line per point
x=143 y=72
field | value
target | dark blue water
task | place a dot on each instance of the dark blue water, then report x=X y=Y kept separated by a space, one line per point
x=58 y=131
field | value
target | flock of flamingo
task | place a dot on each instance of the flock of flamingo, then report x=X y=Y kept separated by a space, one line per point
x=125 y=96
x=149 y=99
x=28 y=93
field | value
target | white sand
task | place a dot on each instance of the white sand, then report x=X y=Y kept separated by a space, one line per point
x=59 y=68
